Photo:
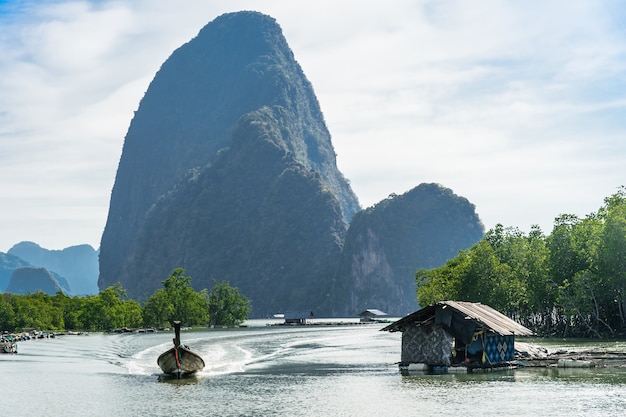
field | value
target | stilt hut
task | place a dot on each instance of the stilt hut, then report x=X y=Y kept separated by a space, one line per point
x=372 y=315
x=298 y=317
x=450 y=333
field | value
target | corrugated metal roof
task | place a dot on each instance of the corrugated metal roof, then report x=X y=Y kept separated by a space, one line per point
x=298 y=315
x=491 y=318
x=374 y=312
x=480 y=313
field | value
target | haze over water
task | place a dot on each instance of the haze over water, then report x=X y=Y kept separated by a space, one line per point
x=282 y=371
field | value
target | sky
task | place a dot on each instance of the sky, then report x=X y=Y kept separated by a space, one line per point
x=518 y=106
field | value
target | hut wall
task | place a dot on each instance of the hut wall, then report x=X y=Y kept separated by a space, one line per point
x=426 y=344
x=499 y=348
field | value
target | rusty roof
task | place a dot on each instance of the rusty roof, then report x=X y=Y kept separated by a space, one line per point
x=477 y=312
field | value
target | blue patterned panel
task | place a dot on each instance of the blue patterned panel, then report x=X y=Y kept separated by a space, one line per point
x=500 y=348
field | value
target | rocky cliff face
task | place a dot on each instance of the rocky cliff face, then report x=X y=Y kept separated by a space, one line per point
x=228 y=171
x=387 y=243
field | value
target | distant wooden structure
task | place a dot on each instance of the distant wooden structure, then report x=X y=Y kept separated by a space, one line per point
x=372 y=315
x=457 y=333
x=298 y=317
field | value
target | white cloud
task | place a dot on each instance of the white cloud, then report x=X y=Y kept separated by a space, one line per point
x=517 y=106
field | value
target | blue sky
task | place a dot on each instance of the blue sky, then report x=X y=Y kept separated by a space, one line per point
x=517 y=106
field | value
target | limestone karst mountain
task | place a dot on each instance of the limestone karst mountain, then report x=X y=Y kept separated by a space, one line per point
x=29 y=279
x=8 y=264
x=228 y=171
x=19 y=276
x=388 y=242
x=77 y=264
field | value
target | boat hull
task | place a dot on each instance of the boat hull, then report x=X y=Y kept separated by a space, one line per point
x=180 y=361
x=8 y=347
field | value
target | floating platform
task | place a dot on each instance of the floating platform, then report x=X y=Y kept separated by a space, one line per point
x=424 y=368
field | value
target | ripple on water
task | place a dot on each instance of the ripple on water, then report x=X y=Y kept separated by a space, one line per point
x=280 y=372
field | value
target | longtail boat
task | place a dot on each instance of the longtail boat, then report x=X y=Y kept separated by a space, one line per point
x=179 y=360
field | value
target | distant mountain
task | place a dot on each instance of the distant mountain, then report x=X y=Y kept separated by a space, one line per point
x=387 y=243
x=28 y=279
x=8 y=264
x=228 y=171
x=78 y=264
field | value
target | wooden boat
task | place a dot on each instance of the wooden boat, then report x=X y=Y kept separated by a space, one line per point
x=179 y=361
x=8 y=346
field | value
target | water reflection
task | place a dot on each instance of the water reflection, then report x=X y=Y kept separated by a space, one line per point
x=581 y=375
x=183 y=380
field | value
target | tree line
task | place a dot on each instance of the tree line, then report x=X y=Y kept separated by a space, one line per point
x=111 y=309
x=571 y=283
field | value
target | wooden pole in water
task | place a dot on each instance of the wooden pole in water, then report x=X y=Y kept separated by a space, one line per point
x=177 y=332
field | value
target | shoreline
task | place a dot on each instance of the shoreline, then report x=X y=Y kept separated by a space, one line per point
x=534 y=356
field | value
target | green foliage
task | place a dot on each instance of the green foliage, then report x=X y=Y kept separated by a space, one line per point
x=158 y=309
x=111 y=308
x=41 y=311
x=7 y=314
x=570 y=283
x=176 y=301
x=34 y=311
x=443 y=283
x=227 y=306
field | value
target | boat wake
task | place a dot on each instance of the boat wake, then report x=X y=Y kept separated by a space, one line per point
x=220 y=358
x=144 y=362
x=257 y=351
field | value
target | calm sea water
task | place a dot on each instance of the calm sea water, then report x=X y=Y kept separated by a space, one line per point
x=282 y=371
